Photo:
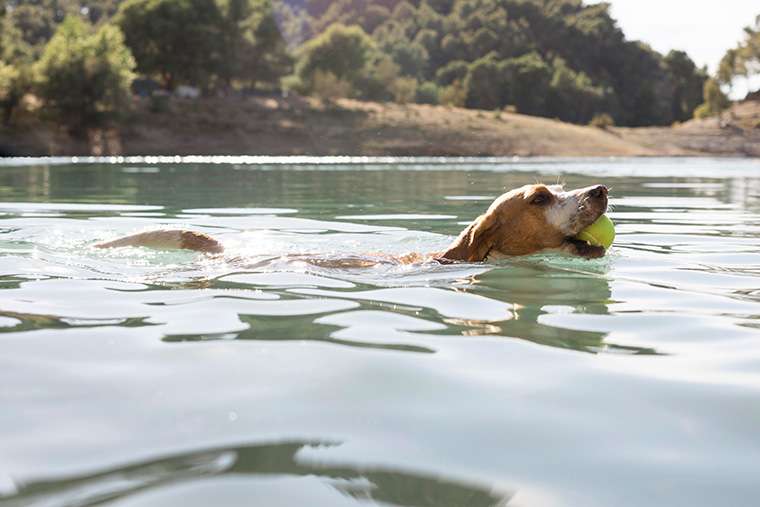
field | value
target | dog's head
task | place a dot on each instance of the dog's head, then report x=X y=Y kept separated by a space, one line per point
x=530 y=219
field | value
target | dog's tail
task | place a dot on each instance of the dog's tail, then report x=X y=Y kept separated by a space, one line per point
x=168 y=239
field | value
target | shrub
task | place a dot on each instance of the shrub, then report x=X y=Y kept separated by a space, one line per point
x=404 y=90
x=427 y=93
x=84 y=78
x=453 y=95
x=341 y=51
x=327 y=87
x=602 y=121
x=715 y=100
x=702 y=111
x=377 y=80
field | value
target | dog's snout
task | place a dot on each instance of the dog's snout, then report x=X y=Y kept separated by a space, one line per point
x=598 y=192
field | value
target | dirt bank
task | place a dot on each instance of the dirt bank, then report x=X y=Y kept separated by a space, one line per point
x=298 y=126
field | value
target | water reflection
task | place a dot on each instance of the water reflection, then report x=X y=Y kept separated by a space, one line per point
x=261 y=461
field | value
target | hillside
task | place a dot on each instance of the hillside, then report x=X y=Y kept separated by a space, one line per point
x=297 y=126
x=735 y=132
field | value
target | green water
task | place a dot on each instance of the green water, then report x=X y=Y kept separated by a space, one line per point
x=132 y=377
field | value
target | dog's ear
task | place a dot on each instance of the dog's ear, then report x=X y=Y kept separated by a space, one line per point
x=474 y=243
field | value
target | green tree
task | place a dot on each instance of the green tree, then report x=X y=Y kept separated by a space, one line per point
x=485 y=84
x=455 y=70
x=715 y=100
x=688 y=83
x=378 y=79
x=744 y=60
x=572 y=95
x=84 y=77
x=9 y=91
x=427 y=93
x=254 y=50
x=528 y=79
x=601 y=71
x=178 y=40
x=342 y=51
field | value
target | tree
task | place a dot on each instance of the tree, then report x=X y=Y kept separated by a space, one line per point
x=254 y=50
x=485 y=84
x=688 y=83
x=715 y=100
x=16 y=57
x=455 y=70
x=177 y=40
x=9 y=91
x=342 y=51
x=528 y=78
x=84 y=77
x=572 y=95
x=744 y=60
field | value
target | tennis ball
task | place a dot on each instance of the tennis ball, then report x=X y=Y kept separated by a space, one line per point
x=600 y=233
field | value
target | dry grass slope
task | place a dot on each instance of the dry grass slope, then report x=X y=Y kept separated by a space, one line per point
x=296 y=126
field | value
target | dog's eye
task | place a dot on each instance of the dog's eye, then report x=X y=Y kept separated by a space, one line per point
x=540 y=199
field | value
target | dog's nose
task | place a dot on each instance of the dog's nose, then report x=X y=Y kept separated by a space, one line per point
x=598 y=192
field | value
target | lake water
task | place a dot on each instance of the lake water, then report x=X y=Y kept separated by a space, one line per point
x=132 y=377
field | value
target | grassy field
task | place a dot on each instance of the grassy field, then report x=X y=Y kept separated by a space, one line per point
x=299 y=126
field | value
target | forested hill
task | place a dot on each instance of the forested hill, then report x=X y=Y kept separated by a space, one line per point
x=554 y=58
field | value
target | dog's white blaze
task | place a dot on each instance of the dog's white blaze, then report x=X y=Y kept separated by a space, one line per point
x=560 y=214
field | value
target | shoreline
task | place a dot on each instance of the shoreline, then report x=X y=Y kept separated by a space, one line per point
x=298 y=126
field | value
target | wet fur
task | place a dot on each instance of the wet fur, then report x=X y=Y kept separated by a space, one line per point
x=515 y=224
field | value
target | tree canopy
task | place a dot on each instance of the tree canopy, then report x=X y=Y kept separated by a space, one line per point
x=556 y=58
x=744 y=59
x=84 y=76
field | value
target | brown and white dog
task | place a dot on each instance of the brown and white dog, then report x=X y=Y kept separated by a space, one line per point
x=526 y=220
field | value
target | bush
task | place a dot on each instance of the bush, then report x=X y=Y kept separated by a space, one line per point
x=327 y=87
x=715 y=100
x=377 y=80
x=453 y=95
x=85 y=78
x=452 y=71
x=427 y=93
x=404 y=90
x=702 y=111
x=341 y=51
x=602 y=121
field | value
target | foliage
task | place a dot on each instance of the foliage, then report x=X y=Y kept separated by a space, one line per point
x=688 y=84
x=341 y=51
x=253 y=49
x=557 y=58
x=744 y=59
x=453 y=95
x=404 y=90
x=84 y=77
x=702 y=112
x=327 y=87
x=9 y=90
x=715 y=101
x=573 y=97
x=178 y=40
x=602 y=121
x=427 y=93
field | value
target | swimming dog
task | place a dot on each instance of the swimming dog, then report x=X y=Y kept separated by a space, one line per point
x=523 y=221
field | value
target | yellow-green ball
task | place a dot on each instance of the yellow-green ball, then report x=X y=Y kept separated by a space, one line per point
x=600 y=233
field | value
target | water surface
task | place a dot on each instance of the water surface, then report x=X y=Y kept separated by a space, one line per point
x=132 y=377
